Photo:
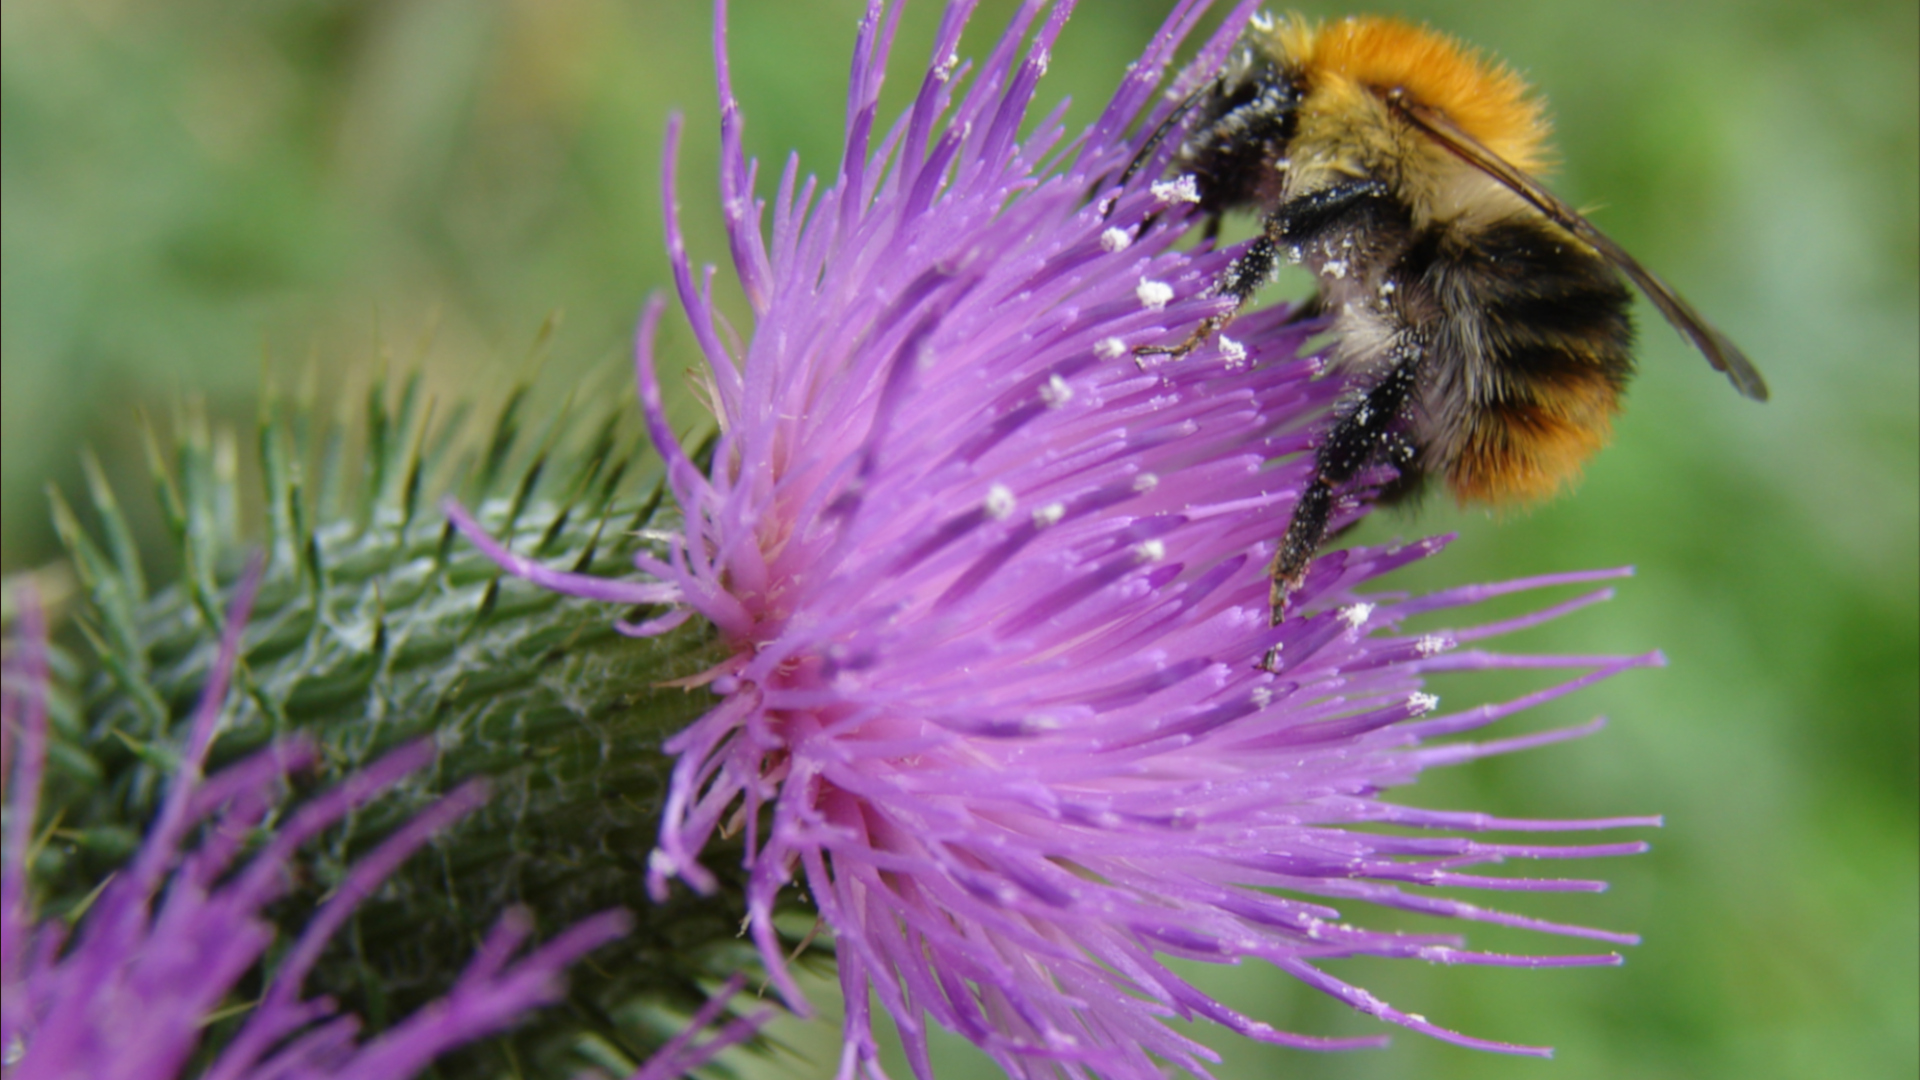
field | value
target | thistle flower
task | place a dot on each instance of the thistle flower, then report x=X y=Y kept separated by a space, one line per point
x=996 y=597
x=160 y=952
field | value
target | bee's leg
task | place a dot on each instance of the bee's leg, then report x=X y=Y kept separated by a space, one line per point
x=1242 y=278
x=1364 y=435
x=1289 y=227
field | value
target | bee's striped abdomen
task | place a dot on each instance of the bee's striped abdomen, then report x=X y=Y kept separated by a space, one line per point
x=1541 y=349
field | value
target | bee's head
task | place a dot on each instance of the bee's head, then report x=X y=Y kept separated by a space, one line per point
x=1236 y=146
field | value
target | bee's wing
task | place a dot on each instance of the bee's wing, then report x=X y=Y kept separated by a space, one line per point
x=1723 y=354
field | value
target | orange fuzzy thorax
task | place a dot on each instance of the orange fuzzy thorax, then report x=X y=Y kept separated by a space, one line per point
x=1484 y=97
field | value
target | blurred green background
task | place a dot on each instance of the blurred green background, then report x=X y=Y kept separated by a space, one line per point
x=197 y=192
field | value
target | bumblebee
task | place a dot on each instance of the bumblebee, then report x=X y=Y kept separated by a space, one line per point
x=1483 y=321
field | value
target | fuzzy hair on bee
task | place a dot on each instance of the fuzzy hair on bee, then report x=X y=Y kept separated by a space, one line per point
x=1483 y=322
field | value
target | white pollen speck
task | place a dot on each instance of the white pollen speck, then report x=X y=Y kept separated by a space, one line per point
x=1061 y=1040
x=1110 y=348
x=1262 y=697
x=1336 y=267
x=1416 y=1018
x=660 y=862
x=1153 y=294
x=1232 y=351
x=1432 y=644
x=1056 y=392
x=1049 y=514
x=1115 y=239
x=1387 y=288
x=1421 y=704
x=1150 y=551
x=945 y=70
x=999 y=503
x=1262 y=20
x=1180 y=189
x=1041 y=61
x=1146 y=481
x=1357 y=615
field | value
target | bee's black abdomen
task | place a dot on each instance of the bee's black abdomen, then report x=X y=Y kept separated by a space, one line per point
x=1539 y=347
x=1547 y=306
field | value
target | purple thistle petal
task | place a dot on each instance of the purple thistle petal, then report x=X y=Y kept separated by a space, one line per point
x=581 y=585
x=280 y=1011
x=487 y=997
x=170 y=825
x=680 y=1056
x=23 y=717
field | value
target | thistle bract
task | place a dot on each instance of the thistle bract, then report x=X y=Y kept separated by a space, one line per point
x=997 y=600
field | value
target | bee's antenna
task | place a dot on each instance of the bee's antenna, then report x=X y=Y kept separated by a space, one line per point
x=1159 y=136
